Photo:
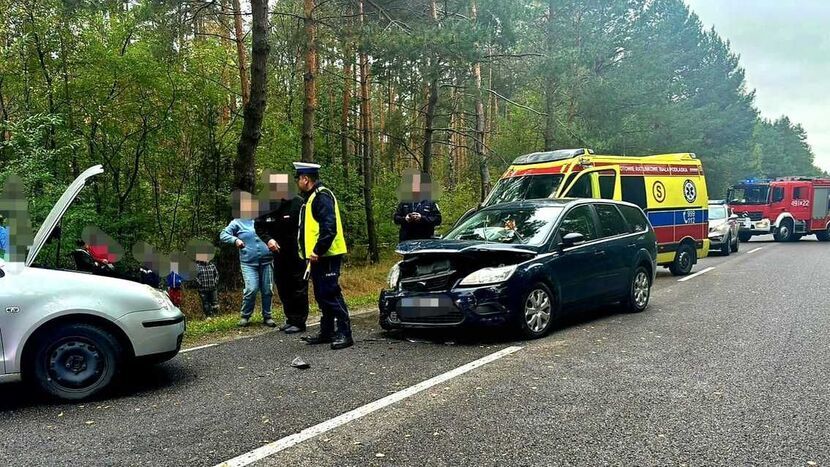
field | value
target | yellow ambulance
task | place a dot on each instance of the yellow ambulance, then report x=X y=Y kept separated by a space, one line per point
x=670 y=188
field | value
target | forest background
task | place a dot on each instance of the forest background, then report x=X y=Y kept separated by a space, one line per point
x=184 y=101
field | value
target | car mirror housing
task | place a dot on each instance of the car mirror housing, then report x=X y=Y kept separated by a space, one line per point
x=572 y=239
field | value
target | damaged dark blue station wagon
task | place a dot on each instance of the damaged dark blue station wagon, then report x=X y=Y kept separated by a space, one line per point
x=523 y=264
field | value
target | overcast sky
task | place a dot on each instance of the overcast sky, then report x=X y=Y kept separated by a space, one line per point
x=785 y=48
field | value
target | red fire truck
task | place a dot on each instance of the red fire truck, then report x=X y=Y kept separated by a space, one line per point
x=788 y=208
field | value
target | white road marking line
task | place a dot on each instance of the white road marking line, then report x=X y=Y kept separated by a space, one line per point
x=753 y=251
x=198 y=348
x=291 y=440
x=696 y=274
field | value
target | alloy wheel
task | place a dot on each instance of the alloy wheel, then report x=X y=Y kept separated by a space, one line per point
x=640 y=289
x=537 y=310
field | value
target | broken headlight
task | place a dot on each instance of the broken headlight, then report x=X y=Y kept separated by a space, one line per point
x=489 y=275
x=394 y=275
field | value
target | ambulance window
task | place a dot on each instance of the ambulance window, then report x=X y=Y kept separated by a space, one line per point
x=542 y=186
x=634 y=191
x=611 y=222
x=777 y=194
x=606 y=184
x=797 y=192
x=581 y=189
x=635 y=218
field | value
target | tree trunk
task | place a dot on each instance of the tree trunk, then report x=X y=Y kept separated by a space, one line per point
x=348 y=78
x=368 y=163
x=478 y=144
x=240 y=51
x=252 y=115
x=432 y=103
x=309 y=80
x=550 y=84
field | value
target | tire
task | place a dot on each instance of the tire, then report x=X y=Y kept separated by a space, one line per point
x=538 y=309
x=726 y=248
x=76 y=361
x=736 y=244
x=639 y=291
x=744 y=236
x=784 y=233
x=823 y=236
x=684 y=260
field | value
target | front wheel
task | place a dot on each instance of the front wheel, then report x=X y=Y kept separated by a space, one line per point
x=684 y=260
x=744 y=236
x=76 y=361
x=726 y=248
x=639 y=291
x=538 y=308
x=823 y=236
x=784 y=233
x=736 y=243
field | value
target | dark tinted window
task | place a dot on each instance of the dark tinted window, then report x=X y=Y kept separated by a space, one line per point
x=578 y=220
x=581 y=189
x=634 y=190
x=611 y=222
x=606 y=185
x=542 y=186
x=777 y=194
x=525 y=187
x=635 y=218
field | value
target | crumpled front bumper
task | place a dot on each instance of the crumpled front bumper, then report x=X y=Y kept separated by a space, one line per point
x=475 y=306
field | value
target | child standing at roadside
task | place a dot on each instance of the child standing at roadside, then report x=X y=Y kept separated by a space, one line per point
x=207 y=279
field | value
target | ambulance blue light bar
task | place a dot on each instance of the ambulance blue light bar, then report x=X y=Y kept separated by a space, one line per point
x=550 y=156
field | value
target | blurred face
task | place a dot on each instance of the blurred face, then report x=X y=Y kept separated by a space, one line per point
x=246 y=207
x=278 y=186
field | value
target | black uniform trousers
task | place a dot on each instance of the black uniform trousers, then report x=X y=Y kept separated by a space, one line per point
x=292 y=289
x=325 y=274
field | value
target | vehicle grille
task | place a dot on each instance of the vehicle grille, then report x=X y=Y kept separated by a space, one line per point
x=453 y=316
x=433 y=283
x=753 y=216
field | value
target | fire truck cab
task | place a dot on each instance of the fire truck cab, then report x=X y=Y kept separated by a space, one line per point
x=788 y=208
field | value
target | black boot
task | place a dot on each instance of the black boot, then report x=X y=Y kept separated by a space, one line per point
x=318 y=339
x=341 y=342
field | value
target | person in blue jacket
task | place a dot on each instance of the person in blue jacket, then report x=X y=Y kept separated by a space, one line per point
x=4 y=237
x=417 y=214
x=255 y=258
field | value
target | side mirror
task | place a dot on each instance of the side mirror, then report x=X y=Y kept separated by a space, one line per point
x=572 y=239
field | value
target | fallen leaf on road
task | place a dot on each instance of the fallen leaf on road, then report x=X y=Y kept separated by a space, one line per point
x=380 y=454
x=60 y=414
x=89 y=422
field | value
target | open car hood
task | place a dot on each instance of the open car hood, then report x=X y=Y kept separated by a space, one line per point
x=461 y=246
x=58 y=210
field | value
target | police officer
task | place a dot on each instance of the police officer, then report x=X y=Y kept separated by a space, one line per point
x=416 y=214
x=279 y=229
x=322 y=245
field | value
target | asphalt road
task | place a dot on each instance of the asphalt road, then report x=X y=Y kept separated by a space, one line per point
x=728 y=367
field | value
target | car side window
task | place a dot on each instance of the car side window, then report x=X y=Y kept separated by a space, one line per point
x=636 y=220
x=611 y=222
x=579 y=220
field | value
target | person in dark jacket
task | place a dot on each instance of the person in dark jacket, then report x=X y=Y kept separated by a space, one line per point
x=279 y=230
x=417 y=214
x=323 y=244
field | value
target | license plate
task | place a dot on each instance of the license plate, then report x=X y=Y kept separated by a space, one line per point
x=431 y=302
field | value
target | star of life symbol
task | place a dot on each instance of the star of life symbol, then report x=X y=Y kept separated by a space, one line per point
x=689 y=191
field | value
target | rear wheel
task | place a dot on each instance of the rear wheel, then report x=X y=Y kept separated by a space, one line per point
x=824 y=235
x=76 y=361
x=784 y=233
x=537 y=313
x=639 y=291
x=736 y=243
x=684 y=260
x=744 y=236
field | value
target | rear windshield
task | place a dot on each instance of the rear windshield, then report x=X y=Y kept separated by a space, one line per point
x=524 y=187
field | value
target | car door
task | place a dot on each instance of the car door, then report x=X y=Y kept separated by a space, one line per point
x=614 y=248
x=577 y=266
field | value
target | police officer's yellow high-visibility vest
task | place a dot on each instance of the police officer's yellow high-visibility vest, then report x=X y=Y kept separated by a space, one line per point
x=311 y=228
